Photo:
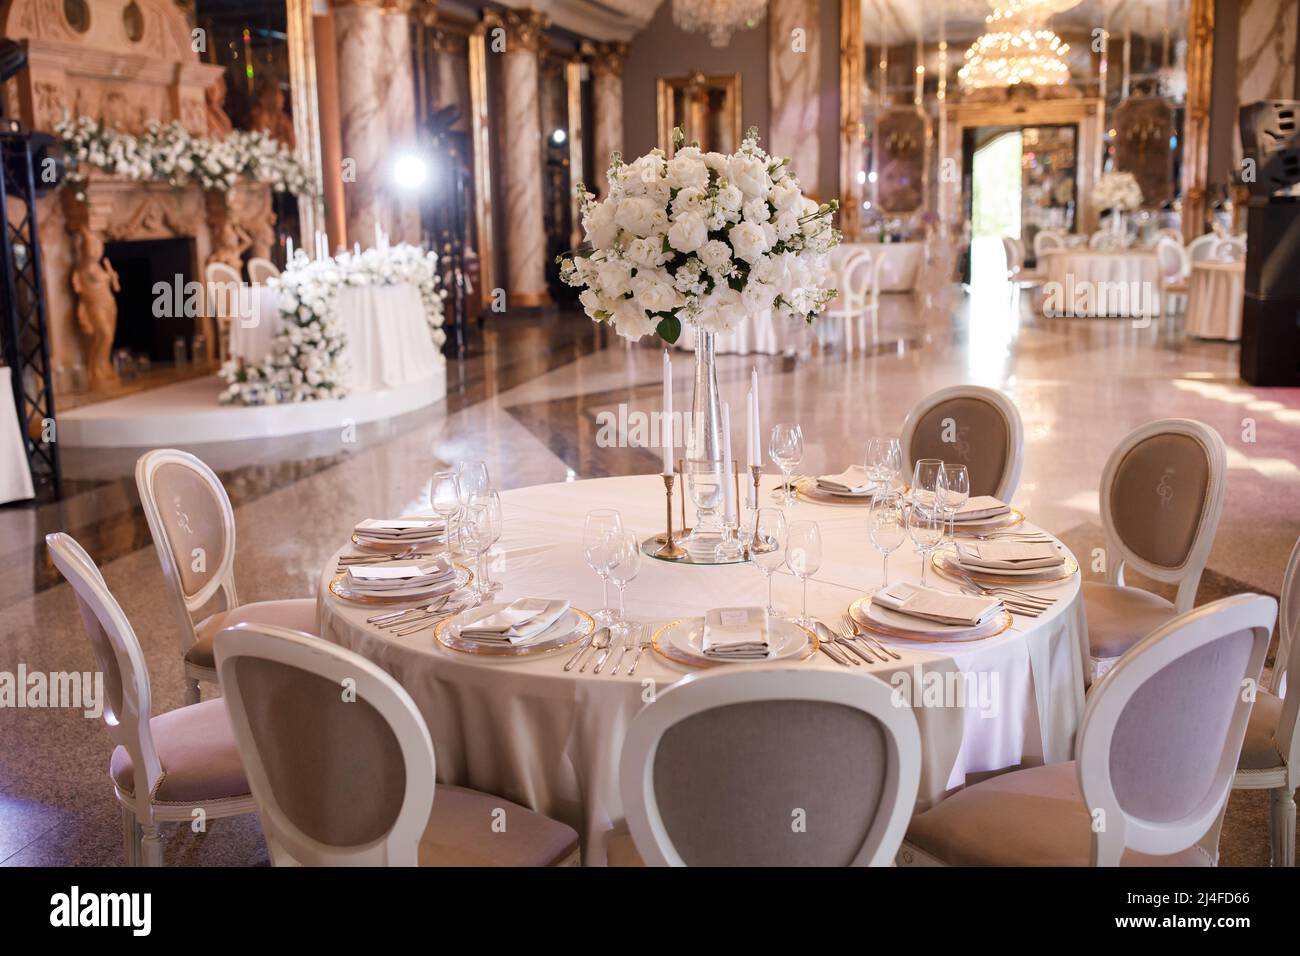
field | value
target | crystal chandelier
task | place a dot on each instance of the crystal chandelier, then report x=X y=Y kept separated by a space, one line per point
x=1017 y=48
x=718 y=18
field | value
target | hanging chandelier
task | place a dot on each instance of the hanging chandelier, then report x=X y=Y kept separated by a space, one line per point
x=718 y=18
x=1018 y=48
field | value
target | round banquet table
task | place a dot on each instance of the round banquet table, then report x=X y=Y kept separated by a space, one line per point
x=388 y=341
x=1214 y=295
x=526 y=730
x=1093 y=283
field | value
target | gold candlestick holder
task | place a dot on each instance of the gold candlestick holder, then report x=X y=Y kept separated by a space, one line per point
x=681 y=491
x=669 y=549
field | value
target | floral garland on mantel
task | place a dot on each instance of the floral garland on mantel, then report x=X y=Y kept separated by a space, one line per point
x=168 y=152
x=307 y=361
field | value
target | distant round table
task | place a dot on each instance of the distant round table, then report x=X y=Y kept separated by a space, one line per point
x=1092 y=283
x=1214 y=295
x=527 y=730
x=901 y=265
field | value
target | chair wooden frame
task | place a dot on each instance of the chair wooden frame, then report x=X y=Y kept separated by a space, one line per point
x=703 y=692
x=1107 y=702
x=1187 y=575
x=127 y=719
x=288 y=844
x=223 y=580
x=1015 y=431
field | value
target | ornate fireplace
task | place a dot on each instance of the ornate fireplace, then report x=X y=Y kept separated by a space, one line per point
x=125 y=63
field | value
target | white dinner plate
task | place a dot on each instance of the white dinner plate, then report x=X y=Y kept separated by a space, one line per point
x=1050 y=573
x=786 y=641
x=573 y=625
x=896 y=621
x=339 y=587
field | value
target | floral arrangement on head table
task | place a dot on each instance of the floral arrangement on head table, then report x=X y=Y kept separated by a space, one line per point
x=703 y=237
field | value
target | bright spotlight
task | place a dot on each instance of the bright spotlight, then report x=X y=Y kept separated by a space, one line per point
x=410 y=171
x=558 y=137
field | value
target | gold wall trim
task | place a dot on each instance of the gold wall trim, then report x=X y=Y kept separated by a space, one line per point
x=480 y=136
x=306 y=114
x=1196 y=121
x=573 y=90
x=852 y=129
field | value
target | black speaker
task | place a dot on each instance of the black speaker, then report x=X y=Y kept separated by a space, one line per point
x=1270 y=138
x=1270 y=342
x=1270 y=318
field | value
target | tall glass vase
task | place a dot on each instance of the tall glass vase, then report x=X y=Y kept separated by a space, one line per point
x=703 y=465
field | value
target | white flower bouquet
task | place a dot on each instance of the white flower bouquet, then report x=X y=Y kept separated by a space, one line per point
x=308 y=359
x=704 y=238
x=1119 y=191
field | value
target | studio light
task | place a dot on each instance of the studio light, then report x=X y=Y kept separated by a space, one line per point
x=410 y=172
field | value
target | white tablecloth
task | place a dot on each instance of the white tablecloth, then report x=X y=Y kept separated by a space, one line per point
x=15 y=478
x=1214 y=295
x=528 y=731
x=388 y=343
x=1085 y=282
x=902 y=263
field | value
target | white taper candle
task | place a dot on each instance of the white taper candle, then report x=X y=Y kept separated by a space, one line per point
x=667 y=433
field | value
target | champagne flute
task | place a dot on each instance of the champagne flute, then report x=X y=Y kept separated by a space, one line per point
x=769 y=548
x=600 y=535
x=954 y=493
x=785 y=446
x=444 y=496
x=623 y=571
x=485 y=507
x=886 y=525
x=804 y=557
x=883 y=462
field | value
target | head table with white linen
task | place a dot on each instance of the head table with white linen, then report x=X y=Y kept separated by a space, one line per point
x=551 y=740
x=387 y=333
x=1215 y=291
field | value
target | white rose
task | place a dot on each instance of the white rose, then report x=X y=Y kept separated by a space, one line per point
x=647 y=252
x=749 y=240
x=654 y=292
x=715 y=254
x=731 y=198
x=631 y=321
x=756 y=210
x=691 y=199
x=758 y=296
x=785 y=194
x=640 y=216
x=750 y=174
x=787 y=224
x=614 y=276
x=687 y=169
x=600 y=226
x=688 y=233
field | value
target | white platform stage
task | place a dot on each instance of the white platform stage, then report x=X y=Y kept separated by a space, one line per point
x=188 y=413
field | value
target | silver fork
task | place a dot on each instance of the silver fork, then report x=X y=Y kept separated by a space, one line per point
x=626 y=645
x=1046 y=602
x=429 y=620
x=380 y=620
x=849 y=640
x=641 y=645
x=870 y=641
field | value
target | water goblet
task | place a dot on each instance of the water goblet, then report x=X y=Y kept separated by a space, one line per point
x=623 y=571
x=803 y=557
x=925 y=526
x=954 y=492
x=883 y=462
x=600 y=536
x=444 y=496
x=886 y=526
x=785 y=446
x=768 y=550
x=484 y=517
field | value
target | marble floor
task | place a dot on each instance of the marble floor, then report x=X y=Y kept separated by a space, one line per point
x=526 y=402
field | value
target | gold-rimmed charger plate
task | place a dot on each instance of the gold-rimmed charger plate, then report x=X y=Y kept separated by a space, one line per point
x=1012 y=519
x=464 y=577
x=807 y=489
x=442 y=632
x=665 y=648
x=857 y=611
x=943 y=562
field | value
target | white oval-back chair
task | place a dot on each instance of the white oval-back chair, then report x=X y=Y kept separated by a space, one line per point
x=193 y=529
x=1232 y=249
x=1202 y=247
x=1156 y=752
x=341 y=765
x=713 y=770
x=1270 y=757
x=1161 y=497
x=165 y=768
x=859 y=271
x=1174 y=269
x=1046 y=240
x=1104 y=240
x=224 y=287
x=968 y=425
x=260 y=269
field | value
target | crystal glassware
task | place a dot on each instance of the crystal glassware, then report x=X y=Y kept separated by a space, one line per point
x=484 y=519
x=925 y=526
x=785 y=446
x=602 y=533
x=704 y=485
x=768 y=550
x=803 y=557
x=886 y=526
x=444 y=497
x=954 y=492
x=883 y=463
x=623 y=571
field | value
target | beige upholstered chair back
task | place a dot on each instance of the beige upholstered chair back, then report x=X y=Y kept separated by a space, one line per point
x=118 y=655
x=1046 y=239
x=338 y=758
x=1173 y=260
x=193 y=529
x=1202 y=247
x=1231 y=249
x=1106 y=241
x=260 y=269
x=1287 y=663
x=1009 y=256
x=1161 y=497
x=1160 y=735
x=972 y=426
x=718 y=771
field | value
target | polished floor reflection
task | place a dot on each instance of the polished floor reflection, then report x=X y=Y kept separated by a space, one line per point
x=527 y=403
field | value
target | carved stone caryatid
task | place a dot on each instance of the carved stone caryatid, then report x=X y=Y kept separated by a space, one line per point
x=606 y=60
x=267 y=114
x=214 y=98
x=524 y=209
x=96 y=282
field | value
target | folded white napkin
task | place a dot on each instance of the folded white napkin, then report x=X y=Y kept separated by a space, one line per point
x=981 y=508
x=736 y=633
x=399 y=575
x=1008 y=555
x=851 y=481
x=939 y=607
x=517 y=623
x=397 y=529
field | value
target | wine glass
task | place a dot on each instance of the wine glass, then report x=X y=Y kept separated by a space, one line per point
x=483 y=519
x=886 y=525
x=925 y=525
x=883 y=462
x=600 y=536
x=704 y=485
x=925 y=482
x=803 y=557
x=623 y=571
x=472 y=476
x=954 y=492
x=444 y=496
x=769 y=547
x=785 y=446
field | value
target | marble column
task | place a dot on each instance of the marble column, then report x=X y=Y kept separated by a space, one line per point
x=397 y=93
x=795 y=112
x=522 y=132
x=606 y=61
x=359 y=32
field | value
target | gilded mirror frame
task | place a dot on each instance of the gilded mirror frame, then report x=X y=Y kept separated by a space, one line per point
x=667 y=86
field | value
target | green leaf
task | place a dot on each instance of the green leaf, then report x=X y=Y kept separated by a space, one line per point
x=669 y=328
